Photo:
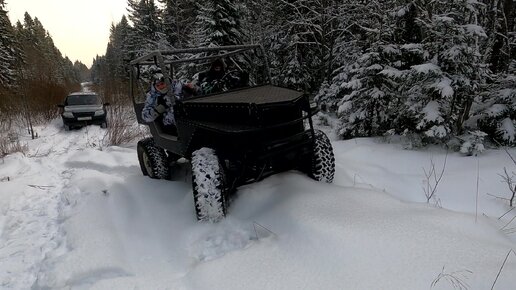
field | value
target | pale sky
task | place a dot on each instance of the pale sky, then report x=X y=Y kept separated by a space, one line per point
x=79 y=28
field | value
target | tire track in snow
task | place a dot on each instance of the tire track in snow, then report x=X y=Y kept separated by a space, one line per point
x=33 y=230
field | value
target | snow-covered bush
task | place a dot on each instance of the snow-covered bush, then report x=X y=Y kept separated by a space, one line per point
x=322 y=119
x=497 y=111
x=473 y=143
x=426 y=86
x=370 y=101
x=442 y=88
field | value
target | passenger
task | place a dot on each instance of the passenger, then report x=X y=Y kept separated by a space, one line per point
x=159 y=102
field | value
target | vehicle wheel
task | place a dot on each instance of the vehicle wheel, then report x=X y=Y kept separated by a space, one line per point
x=66 y=127
x=323 y=161
x=209 y=186
x=103 y=125
x=152 y=159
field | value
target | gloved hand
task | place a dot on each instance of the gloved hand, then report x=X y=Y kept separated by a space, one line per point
x=160 y=109
x=189 y=86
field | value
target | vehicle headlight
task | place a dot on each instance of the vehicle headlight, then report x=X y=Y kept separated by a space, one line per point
x=99 y=113
x=68 y=114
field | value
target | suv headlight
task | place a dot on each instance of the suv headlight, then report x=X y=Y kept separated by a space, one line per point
x=99 y=113
x=68 y=114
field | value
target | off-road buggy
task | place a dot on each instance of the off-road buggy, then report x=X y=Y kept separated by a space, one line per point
x=231 y=138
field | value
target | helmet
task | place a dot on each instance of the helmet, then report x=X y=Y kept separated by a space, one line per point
x=159 y=83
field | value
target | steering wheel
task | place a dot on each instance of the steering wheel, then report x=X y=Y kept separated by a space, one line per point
x=232 y=79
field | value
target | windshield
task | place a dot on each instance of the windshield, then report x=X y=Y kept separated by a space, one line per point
x=76 y=100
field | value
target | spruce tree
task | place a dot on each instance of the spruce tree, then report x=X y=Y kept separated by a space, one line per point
x=147 y=31
x=7 y=50
x=218 y=23
x=452 y=71
x=496 y=111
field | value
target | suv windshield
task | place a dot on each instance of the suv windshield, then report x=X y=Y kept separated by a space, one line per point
x=75 y=100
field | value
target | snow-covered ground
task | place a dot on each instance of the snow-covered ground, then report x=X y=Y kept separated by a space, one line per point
x=77 y=215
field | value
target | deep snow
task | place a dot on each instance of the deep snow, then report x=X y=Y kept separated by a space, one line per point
x=78 y=215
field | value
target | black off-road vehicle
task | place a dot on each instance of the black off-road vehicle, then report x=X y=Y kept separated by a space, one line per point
x=234 y=137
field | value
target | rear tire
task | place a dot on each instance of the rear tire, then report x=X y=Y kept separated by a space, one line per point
x=323 y=161
x=209 y=186
x=152 y=159
x=103 y=125
x=66 y=127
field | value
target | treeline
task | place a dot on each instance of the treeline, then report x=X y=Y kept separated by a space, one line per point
x=437 y=71
x=34 y=75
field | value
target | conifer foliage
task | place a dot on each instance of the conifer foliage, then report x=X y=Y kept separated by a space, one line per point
x=34 y=75
x=7 y=55
x=433 y=70
x=426 y=69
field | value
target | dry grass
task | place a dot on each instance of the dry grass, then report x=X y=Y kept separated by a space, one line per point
x=456 y=279
x=122 y=126
x=9 y=144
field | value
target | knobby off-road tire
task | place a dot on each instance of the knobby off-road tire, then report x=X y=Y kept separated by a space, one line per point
x=323 y=161
x=209 y=186
x=153 y=160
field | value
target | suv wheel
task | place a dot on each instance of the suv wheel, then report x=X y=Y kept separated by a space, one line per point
x=66 y=127
x=323 y=161
x=152 y=159
x=209 y=186
x=103 y=125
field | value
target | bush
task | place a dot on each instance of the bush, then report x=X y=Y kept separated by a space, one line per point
x=9 y=143
x=473 y=143
x=122 y=126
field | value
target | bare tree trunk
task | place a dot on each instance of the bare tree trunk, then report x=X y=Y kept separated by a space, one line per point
x=30 y=129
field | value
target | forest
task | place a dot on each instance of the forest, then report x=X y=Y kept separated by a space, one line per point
x=435 y=71
x=34 y=75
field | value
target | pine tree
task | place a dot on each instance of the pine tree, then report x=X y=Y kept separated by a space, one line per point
x=496 y=111
x=82 y=70
x=218 y=23
x=345 y=51
x=292 y=38
x=7 y=50
x=45 y=75
x=117 y=53
x=147 y=31
x=499 y=23
x=452 y=52
x=364 y=88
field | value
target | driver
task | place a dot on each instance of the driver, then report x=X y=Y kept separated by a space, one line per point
x=211 y=81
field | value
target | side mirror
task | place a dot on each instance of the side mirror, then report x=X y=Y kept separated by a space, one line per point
x=60 y=106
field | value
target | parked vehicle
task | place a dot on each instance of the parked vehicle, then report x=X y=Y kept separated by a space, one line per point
x=234 y=137
x=83 y=108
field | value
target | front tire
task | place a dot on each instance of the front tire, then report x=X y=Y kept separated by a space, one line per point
x=323 y=161
x=209 y=186
x=152 y=159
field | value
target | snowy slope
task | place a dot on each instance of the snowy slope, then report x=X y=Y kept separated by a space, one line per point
x=76 y=215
